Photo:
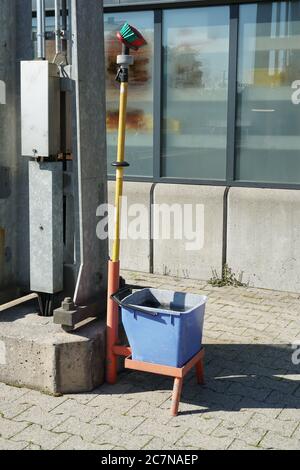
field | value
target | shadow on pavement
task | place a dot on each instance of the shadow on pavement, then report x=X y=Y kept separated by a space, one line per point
x=238 y=376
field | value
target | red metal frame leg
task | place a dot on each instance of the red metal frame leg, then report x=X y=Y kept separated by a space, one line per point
x=176 y=396
x=112 y=322
x=200 y=372
x=178 y=373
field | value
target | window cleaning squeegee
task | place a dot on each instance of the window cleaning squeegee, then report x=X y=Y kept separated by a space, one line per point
x=130 y=38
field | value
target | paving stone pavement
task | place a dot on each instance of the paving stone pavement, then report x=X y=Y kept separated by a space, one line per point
x=251 y=399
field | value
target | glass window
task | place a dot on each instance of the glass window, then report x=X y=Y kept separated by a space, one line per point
x=268 y=124
x=139 y=136
x=195 y=89
x=50 y=42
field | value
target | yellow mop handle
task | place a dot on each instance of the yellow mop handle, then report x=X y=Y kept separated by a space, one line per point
x=120 y=170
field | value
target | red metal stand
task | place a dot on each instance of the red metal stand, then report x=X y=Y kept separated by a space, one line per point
x=177 y=372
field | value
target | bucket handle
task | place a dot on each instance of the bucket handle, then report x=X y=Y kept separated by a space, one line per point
x=115 y=298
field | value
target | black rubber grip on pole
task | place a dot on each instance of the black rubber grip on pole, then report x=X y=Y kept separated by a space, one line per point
x=122 y=75
x=120 y=164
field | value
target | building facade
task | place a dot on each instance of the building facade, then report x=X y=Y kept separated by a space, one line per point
x=214 y=120
x=214 y=123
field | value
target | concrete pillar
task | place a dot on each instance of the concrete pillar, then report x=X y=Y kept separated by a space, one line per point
x=15 y=44
x=24 y=51
x=8 y=149
x=89 y=146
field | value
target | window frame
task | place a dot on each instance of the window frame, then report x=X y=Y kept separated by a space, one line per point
x=230 y=180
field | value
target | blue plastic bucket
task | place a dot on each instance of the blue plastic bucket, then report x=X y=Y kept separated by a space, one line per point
x=163 y=327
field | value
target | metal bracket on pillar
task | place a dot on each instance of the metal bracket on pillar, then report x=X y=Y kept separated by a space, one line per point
x=69 y=315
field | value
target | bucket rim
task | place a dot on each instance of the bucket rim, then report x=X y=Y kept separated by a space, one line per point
x=131 y=305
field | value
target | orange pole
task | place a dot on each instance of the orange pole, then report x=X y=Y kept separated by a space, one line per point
x=136 y=40
x=112 y=324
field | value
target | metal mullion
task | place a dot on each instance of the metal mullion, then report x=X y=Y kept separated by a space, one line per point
x=157 y=98
x=232 y=92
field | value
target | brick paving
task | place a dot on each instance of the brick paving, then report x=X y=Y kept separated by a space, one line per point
x=251 y=399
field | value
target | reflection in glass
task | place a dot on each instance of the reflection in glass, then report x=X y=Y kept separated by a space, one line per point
x=139 y=137
x=268 y=124
x=50 y=43
x=195 y=88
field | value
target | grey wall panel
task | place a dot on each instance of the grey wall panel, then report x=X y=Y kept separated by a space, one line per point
x=188 y=231
x=264 y=237
x=135 y=252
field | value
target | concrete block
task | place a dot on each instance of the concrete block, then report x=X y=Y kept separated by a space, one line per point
x=10 y=445
x=41 y=437
x=77 y=410
x=194 y=247
x=264 y=237
x=77 y=443
x=38 y=354
x=9 y=428
x=88 y=432
x=37 y=415
x=135 y=253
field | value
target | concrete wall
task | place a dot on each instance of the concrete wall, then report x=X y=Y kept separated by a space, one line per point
x=264 y=237
x=135 y=254
x=193 y=255
x=182 y=257
x=262 y=234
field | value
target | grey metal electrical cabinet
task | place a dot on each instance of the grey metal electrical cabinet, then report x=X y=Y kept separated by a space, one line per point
x=46 y=226
x=40 y=109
